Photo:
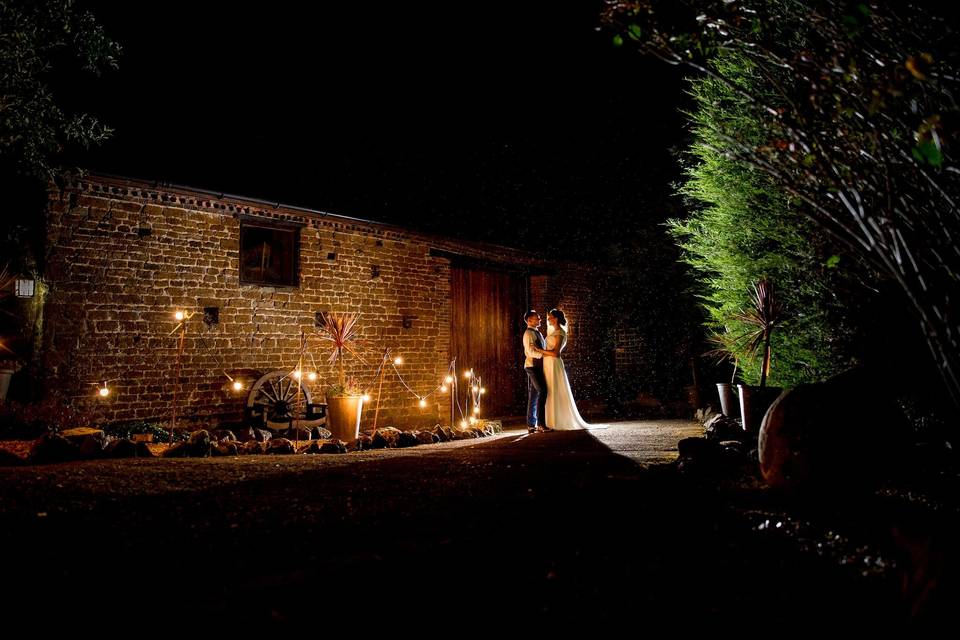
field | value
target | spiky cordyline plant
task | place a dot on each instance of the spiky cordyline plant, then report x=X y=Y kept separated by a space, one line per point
x=340 y=329
x=724 y=350
x=762 y=317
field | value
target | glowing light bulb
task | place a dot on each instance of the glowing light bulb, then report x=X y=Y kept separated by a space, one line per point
x=297 y=373
x=312 y=376
x=463 y=424
x=467 y=374
x=398 y=360
x=104 y=391
x=476 y=409
x=178 y=315
x=483 y=389
x=423 y=402
x=443 y=388
x=448 y=379
x=237 y=385
x=366 y=397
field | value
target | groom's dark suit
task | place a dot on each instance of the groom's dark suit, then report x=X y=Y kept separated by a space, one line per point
x=536 y=383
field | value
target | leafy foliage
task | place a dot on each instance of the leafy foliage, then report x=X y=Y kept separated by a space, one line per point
x=351 y=387
x=160 y=431
x=341 y=331
x=743 y=229
x=32 y=420
x=41 y=38
x=760 y=318
x=854 y=110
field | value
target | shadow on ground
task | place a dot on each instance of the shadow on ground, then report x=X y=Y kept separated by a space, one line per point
x=550 y=530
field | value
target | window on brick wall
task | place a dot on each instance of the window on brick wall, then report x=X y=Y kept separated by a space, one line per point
x=269 y=254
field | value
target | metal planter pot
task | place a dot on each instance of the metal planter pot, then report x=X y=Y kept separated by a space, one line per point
x=343 y=417
x=727 y=406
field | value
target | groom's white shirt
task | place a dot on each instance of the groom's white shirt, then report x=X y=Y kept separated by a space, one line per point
x=528 y=348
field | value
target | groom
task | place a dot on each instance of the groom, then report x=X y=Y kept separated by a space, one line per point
x=533 y=365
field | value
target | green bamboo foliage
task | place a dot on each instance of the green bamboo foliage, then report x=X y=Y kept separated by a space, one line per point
x=743 y=230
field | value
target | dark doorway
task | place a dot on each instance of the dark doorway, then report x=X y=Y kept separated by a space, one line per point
x=486 y=327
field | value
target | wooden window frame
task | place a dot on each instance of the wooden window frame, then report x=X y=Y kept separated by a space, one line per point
x=279 y=228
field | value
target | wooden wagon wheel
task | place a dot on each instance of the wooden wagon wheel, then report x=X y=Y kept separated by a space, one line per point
x=279 y=394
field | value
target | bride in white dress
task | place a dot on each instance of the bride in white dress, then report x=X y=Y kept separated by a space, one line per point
x=562 y=413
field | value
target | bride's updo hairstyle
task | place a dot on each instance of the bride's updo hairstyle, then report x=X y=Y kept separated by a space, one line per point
x=562 y=319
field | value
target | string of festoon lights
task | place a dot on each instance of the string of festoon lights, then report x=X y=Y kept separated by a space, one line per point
x=468 y=412
x=182 y=317
x=475 y=390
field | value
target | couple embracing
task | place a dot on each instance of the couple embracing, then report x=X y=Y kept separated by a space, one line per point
x=550 y=404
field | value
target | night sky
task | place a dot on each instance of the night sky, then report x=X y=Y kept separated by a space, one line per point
x=517 y=123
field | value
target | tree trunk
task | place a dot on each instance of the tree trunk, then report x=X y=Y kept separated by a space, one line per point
x=765 y=364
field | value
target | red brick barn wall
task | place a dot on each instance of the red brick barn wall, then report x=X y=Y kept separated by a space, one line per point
x=114 y=288
x=577 y=290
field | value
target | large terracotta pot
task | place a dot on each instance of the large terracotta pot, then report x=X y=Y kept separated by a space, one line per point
x=754 y=402
x=842 y=433
x=343 y=417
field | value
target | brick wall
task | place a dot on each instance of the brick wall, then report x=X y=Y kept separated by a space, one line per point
x=587 y=357
x=113 y=289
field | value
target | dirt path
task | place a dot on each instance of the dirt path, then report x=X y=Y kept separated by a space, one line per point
x=557 y=528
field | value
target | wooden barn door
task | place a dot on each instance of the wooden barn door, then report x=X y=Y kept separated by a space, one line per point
x=485 y=333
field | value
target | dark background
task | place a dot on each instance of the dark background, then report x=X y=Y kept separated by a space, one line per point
x=514 y=123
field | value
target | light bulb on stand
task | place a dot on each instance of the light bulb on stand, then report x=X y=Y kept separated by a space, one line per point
x=312 y=376
x=366 y=398
x=443 y=388
x=237 y=385
x=104 y=391
x=423 y=403
x=179 y=315
x=448 y=379
x=398 y=361
x=297 y=373
x=476 y=409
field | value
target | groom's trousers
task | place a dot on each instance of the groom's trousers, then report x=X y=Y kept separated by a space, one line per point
x=536 y=397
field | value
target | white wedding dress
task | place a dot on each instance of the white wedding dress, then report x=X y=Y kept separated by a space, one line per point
x=562 y=413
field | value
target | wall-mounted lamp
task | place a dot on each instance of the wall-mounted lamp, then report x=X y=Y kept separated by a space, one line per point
x=25 y=287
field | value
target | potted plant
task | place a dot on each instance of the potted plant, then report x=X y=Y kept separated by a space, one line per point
x=344 y=399
x=761 y=319
x=725 y=351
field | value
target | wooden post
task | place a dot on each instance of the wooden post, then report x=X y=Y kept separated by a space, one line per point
x=452 y=372
x=176 y=385
x=383 y=371
x=299 y=381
